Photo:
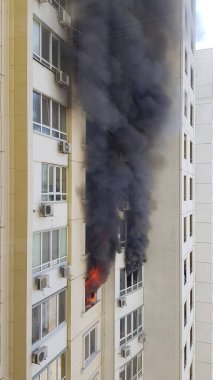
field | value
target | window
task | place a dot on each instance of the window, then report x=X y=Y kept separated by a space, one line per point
x=90 y=345
x=48 y=315
x=56 y=370
x=185 y=313
x=130 y=326
x=192 y=41
x=192 y=78
x=191 y=262
x=90 y=299
x=190 y=372
x=191 y=225
x=185 y=271
x=49 y=248
x=130 y=282
x=191 y=152
x=191 y=115
x=184 y=229
x=184 y=188
x=185 y=355
x=54 y=183
x=186 y=62
x=185 y=147
x=190 y=189
x=186 y=19
x=49 y=117
x=58 y=4
x=185 y=104
x=122 y=233
x=46 y=46
x=191 y=337
x=133 y=369
x=191 y=299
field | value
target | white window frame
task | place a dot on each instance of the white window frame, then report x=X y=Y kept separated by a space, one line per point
x=51 y=262
x=133 y=287
x=41 y=128
x=39 y=58
x=139 y=371
x=58 y=2
x=47 y=368
x=133 y=333
x=92 y=355
x=39 y=304
x=52 y=196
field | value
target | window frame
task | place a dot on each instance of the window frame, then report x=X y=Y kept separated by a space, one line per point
x=41 y=305
x=184 y=229
x=127 y=290
x=185 y=146
x=89 y=359
x=128 y=336
x=52 y=262
x=47 y=368
x=41 y=127
x=185 y=356
x=39 y=57
x=184 y=188
x=185 y=272
x=51 y=196
x=191 y=225
x=139 y=373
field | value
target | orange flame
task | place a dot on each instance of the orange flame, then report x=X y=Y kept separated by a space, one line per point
x=94 y=279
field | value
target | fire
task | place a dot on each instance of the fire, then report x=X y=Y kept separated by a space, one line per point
x=90 y=300
x=94 y=280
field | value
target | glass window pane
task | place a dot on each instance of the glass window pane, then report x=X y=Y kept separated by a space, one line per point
x=140 y=274
x=135 y=277
x=135 y=320
x=55 y=107
x=53 y=370
x=45 y=111
x=135 y=366
x=49 y=316
x=62 y=307
x=129 y=280
x=50 y=179
x=129 y=370
x=122 y=328
x=140 y=316
x=58 y=179
x=36 y=249
x=129 y=324
x=122 y=374
x=64 y=180
x=86 y=342
x=139 y=362
x=122 y=279
x=44 y=375
x=36 y=107
x=36 y=37
x=63 y=242
x=55 y=244
x=55 y=52
x=45 y=247
x=63 y=126
x=62 y=366
x=45 y=44
x=36 y=323
x=44 y=178
x=92 y=341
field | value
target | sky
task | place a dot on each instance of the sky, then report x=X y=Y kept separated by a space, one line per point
x=204 y=24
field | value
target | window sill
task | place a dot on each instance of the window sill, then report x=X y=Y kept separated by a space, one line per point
x=89 y=361
x=46 y=337
x=51 y=267
x=86 y=312
x=58 y=139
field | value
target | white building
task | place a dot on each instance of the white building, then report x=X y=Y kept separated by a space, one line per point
x=204 y=191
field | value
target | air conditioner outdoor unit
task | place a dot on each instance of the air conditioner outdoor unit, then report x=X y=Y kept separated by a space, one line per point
x=125 y=352
x=141 y=337
x=64 y=18
x=46 y=209
x=39 y=355
x=62 y=78
x=66 y=271
x=65 y=147
x=42 y=282
x=122 y=302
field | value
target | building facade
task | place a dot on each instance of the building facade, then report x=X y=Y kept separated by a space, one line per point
x=203 y=238
x=50 y=327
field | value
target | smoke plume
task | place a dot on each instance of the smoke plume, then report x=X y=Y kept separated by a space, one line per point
x=122 y=71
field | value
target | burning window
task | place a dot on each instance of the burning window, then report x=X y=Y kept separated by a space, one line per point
x=90 y=298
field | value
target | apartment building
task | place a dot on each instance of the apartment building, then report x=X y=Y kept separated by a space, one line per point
x=169 y=271
x=56 y=330
x=203 y=238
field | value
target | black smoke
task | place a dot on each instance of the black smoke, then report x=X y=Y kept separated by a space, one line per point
x=122 y=75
